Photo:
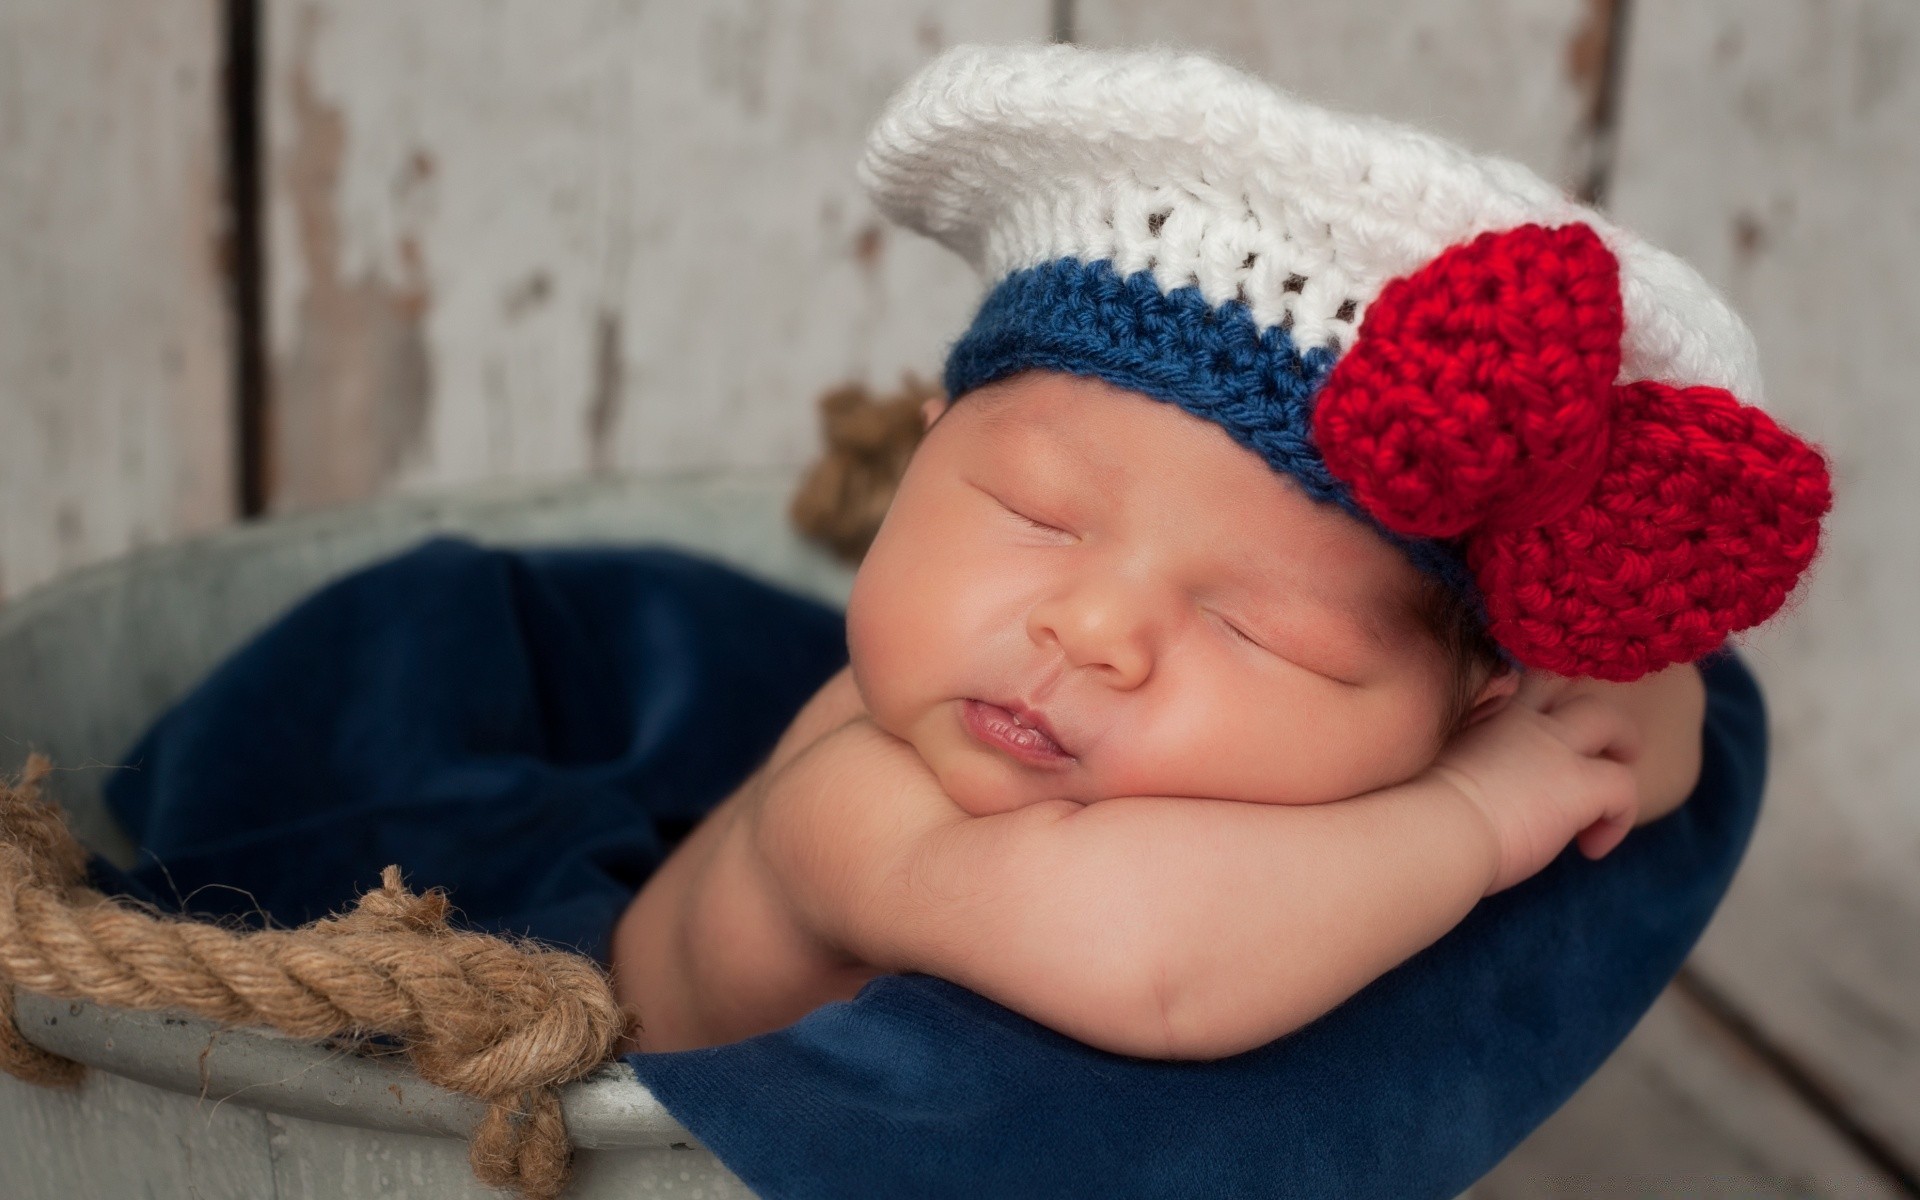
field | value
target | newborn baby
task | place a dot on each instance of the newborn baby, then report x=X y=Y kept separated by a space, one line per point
x=1186 y=689
x=1108 y=671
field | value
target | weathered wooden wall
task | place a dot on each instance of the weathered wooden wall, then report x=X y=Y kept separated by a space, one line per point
x=115 y=421
x=1775 y=146
x=1514 y=77
x=537 y=239
x=520 y=238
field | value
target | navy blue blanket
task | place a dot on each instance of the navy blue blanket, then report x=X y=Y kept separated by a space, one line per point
x=535 y=731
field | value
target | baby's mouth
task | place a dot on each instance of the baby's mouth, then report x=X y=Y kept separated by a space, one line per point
x=1024 y=738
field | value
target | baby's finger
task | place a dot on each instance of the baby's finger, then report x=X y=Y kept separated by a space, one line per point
x=1597 y=729
x=1603 y=836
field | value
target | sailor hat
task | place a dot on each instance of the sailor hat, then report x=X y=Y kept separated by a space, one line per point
x=1555 y=417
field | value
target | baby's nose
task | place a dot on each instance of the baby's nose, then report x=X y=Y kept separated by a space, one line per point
x=1101 y=627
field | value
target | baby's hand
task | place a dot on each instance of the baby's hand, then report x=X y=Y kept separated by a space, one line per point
x=1554 y=766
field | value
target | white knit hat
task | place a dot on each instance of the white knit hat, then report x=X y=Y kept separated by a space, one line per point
x=1013 y=156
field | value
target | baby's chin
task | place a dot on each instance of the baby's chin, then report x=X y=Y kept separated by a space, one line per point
x=983 y=783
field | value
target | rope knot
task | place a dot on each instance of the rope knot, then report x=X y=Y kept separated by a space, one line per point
x=392 y=908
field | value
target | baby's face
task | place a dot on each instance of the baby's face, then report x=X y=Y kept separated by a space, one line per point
x=1081 y=592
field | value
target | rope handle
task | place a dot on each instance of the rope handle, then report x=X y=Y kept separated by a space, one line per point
x=506 y=1022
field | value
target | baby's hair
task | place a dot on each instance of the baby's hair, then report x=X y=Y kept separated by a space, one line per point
x=1470 y=655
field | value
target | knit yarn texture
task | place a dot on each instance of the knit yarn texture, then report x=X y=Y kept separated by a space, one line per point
x=1533 y=404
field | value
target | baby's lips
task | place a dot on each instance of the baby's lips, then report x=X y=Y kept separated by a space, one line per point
x=1027 y=715
x=1015 y=730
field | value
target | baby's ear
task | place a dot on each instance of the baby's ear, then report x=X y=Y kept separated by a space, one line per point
x=1494 y=695
x=930 y=410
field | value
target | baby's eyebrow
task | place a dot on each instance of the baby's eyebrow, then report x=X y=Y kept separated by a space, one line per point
x=1051 y=451
x=1006 y=422
x=1268 y=589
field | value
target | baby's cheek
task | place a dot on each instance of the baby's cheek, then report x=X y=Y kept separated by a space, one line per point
x=871 y=649
x=1373 y=745
x=1299 y=745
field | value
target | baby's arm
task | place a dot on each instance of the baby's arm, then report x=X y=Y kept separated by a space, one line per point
x=836 y=703
x=1173 y=927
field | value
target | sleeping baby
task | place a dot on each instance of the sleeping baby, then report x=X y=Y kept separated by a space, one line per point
x=1316 y=538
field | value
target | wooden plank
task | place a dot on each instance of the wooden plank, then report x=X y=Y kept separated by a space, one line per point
x=114 y=349
x=523 y=239
x=1515 y=77
x=1683 y=1110
x=1771 y=142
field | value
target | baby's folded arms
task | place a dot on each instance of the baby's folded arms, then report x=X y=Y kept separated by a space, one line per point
x=1178 y=927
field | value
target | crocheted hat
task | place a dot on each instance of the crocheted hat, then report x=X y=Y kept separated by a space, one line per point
x=1534 y=404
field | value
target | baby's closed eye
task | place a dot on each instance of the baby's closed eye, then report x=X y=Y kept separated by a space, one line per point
x=1030 y=515
x=1233 y=628
x=1291 y=648
x=1031 y=522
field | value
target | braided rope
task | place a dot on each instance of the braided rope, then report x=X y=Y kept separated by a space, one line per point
x=501 y=1021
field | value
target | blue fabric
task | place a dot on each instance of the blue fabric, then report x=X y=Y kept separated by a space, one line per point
x=535 y=730
x=1088 y=319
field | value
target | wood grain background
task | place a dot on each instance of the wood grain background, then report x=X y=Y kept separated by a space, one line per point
x=536 y=239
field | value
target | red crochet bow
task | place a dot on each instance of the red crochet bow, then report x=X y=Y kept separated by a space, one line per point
x=1613 y=529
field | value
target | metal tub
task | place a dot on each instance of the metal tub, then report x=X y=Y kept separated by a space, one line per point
x=174 y=1107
